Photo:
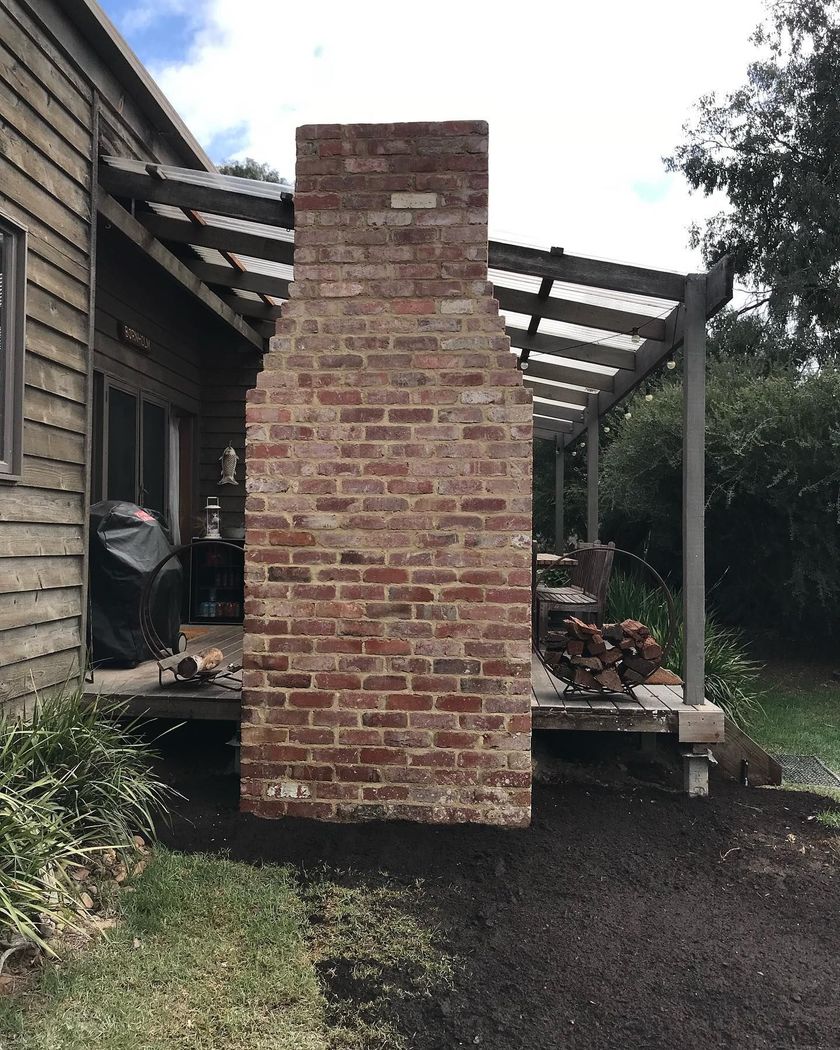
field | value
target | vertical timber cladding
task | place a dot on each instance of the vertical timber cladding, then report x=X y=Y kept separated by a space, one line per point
x=387 y=638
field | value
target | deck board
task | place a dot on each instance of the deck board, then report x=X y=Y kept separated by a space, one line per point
x=139 y=689
x=653 y=709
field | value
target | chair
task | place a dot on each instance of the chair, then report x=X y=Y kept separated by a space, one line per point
x=586 y=595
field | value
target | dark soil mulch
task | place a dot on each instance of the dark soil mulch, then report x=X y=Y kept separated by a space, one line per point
x=631 y=918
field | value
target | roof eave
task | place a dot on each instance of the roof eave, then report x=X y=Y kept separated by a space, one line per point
x=101 y=33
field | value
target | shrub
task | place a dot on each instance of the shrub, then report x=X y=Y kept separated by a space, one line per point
x=772 y=485
x=106 y=781
x=71 y=781
x=731 y=676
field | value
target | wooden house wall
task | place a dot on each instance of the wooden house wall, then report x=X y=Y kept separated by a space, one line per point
x=226 y=381
x=131 y=290
x=125 y=130
x=194 y=363
x=45 y=184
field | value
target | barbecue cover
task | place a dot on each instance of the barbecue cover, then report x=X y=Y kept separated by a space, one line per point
x=126 y=543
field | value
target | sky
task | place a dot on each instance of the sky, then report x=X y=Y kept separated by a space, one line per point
x=583 y=98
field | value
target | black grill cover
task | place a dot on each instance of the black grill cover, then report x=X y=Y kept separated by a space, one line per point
x=126 y=543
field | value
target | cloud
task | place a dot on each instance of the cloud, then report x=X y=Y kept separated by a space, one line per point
x=582 y=100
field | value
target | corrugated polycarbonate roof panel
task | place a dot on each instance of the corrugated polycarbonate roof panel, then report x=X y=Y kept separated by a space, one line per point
x=225 y=222
x=250 y=187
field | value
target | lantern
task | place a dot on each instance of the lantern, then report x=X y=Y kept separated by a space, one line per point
x=212 y=516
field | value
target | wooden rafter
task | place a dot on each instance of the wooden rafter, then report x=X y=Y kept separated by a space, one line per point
x=562 y=373
x=131 y=228
x=586 y=314
x=219 y=237
x=592 y=273
x=595 y=353
x=551 y=391
x=650 y=354
x=247 y=281
x=217 y=200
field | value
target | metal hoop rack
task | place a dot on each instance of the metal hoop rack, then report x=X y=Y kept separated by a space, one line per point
x=167 y=660
x=570 y=687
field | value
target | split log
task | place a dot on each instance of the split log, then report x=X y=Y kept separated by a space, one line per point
x=650 y=649
x=610 y=679
x=579 y=628
x=611 y=656
x=662 y=676
x=639 y=665
x=196 y=663
x=574 y=647
x=585 y=679
x=596 y=645
x=634 y=627
x=591 y=663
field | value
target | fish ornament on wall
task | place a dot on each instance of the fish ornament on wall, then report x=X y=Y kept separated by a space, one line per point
x=228 y=459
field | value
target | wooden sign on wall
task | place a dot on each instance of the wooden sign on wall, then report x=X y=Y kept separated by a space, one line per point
x=134 y=338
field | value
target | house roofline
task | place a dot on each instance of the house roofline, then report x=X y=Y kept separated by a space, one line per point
x=106 y=39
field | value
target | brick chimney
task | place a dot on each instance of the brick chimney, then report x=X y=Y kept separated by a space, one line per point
x=387 y=630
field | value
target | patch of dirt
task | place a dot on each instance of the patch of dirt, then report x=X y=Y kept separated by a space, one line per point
x=630 y=917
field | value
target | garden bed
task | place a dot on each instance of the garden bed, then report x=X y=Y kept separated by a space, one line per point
x=631 y=917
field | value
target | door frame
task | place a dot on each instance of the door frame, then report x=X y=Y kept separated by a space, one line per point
x=142 y=395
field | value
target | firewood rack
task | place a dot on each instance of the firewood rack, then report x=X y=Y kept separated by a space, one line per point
x=571 y=688
x=168 y=659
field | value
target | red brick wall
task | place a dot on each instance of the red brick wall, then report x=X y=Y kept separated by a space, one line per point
x=387 y=637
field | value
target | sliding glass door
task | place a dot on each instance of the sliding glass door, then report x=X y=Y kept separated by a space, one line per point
x=133 y=451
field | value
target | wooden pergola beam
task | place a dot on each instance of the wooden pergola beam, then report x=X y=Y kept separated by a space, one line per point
x=572 y=395
x=592 y=273
x=219 y=237
x=259 y=311
x=547 y=407
x=585 y=314
x=217 y=200
x=117 y=216
x=649 y=355
x=574 y=349
x=562 y=373
x=554 y=426
x=246 y=281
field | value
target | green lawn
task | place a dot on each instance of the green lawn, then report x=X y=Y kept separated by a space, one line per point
x=801 y=712
x=217 y=955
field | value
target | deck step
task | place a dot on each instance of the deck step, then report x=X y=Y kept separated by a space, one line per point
x=763 y=770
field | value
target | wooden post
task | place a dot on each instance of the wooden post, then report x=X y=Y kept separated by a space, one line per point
x=592 y=469
x=559 y=494
x=694 y=448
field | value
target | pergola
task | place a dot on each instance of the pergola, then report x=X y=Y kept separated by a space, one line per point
x=586 y=332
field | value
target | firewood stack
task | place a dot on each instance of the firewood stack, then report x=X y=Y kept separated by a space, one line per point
x=611 y=657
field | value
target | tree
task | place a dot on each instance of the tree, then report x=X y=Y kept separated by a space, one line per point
x=772 y=493
x=250 y=169
x=773 y=146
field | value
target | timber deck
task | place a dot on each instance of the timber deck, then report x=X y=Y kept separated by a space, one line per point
x=140 y=690
x=653 y=709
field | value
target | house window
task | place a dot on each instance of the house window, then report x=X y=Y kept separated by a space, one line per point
x=12 y=320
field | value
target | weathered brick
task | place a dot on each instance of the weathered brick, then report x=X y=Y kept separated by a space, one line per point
x=388 y=515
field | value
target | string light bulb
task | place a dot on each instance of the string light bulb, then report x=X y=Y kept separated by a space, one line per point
x=606 y=430
x=628 y=415
x=671 y=365
x=648 y=397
